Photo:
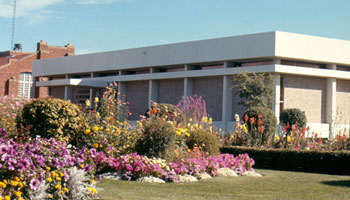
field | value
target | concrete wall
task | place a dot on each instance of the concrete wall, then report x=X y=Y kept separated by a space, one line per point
x=137 y=95
x=170 y=91
x=343 y=102
x=308 y=94
x=57 y=92
x=211 y=91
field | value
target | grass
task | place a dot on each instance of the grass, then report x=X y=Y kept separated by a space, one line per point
x=274 y=185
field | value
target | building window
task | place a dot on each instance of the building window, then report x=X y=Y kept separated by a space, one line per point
x=26 y=88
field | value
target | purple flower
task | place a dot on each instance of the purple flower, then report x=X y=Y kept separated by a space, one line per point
x=34 y=183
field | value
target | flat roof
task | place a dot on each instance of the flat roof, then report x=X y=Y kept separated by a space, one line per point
x=260 y=45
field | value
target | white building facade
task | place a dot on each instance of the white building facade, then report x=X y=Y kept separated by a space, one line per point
x=311 y=73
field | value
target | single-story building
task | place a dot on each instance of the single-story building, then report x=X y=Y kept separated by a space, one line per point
x=311 y=73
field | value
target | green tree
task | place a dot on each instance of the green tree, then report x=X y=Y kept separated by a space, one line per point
x=254 y=89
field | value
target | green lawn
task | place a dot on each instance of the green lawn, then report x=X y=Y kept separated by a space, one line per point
x=274 y=185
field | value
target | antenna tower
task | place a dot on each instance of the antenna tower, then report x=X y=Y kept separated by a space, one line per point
x=13 y=24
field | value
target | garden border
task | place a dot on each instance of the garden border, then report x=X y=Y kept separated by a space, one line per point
x=335 y=162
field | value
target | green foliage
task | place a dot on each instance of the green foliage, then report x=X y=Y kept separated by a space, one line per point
x=158 y=138
x=49 y=117
x=296 y=160
x=261 y=125
x=255 y=89
x=166 y=111
x=203 y=139
x=293 y=116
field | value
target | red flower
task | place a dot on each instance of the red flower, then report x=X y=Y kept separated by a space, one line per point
x=245 y=118
x=316 y=135
x=319 y=140
x=261 y=129
x=259 y=116
x=259 y=122
x=251 y=120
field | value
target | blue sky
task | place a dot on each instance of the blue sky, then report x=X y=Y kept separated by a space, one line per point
x=104 y=25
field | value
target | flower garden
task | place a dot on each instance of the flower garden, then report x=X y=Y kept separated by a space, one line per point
x=53 y=149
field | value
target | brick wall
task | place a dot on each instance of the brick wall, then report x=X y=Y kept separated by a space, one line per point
x=19 y=62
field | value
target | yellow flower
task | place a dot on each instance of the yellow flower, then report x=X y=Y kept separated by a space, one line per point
x=7 y=198
x=95 y=145
x=289 y=139
x=96 y=100
x=107 y=129
x=210 y=120
x=50 y=196
x=82 y=166
x=54 y=174
x=65 y=189
x=13 y=183
x=17 y=179
x=187 y=134
x=87 y=103
x=178 y=133
x=95 y=128
x=18 y=194
x=277 y=138
x=92 y=190
x=97 y=114
x=49 y=180
x=58 y=186
x=2 y=185
x=87 y=131
x=61 y=174
x=58 y=179
x=20 y=184
x=101 y=128
x=48 y=168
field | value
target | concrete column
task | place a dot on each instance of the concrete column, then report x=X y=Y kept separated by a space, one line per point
x=276 y=96
x=331 y=104
x=276 y=61
x=121 y=89
x=68 y=93
x=152 y=92
x=91 y=99
x=188 y=84
x=226 y=102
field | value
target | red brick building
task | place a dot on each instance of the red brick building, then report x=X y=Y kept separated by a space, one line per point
x=16 y=69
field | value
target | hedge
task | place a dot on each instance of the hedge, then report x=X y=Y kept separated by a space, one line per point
x=293 y=160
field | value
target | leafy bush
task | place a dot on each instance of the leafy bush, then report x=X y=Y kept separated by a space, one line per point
x=254 y=89
x=158 y=138
x=166 y=111
x=261 y=124
x=49 y=117
x=204 y=140
x=293 y=116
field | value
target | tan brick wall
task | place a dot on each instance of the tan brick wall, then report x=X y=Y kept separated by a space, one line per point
x=211 y=91
x=343 y=102
x=308 y=94
x=137 y=96
x=170 y=91
x=57 y=92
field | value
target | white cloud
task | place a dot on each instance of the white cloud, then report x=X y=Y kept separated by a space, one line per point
x=80 y=51
x=164 y=41
x=26 y=8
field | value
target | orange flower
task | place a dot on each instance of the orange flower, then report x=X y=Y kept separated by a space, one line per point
x=251 y=120
x=261 y=129
x=259 y=122
x=245 y=118
x=319 y=140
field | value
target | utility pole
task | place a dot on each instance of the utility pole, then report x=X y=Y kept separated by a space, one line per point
x=13 y=24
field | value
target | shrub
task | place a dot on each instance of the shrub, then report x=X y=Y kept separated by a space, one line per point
x=293 y=116
x=254 y=89
x=204 y=140
x=261 y=125
x=296 y=160
x=167 y=111
x=158 y=138
x=49 y=117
